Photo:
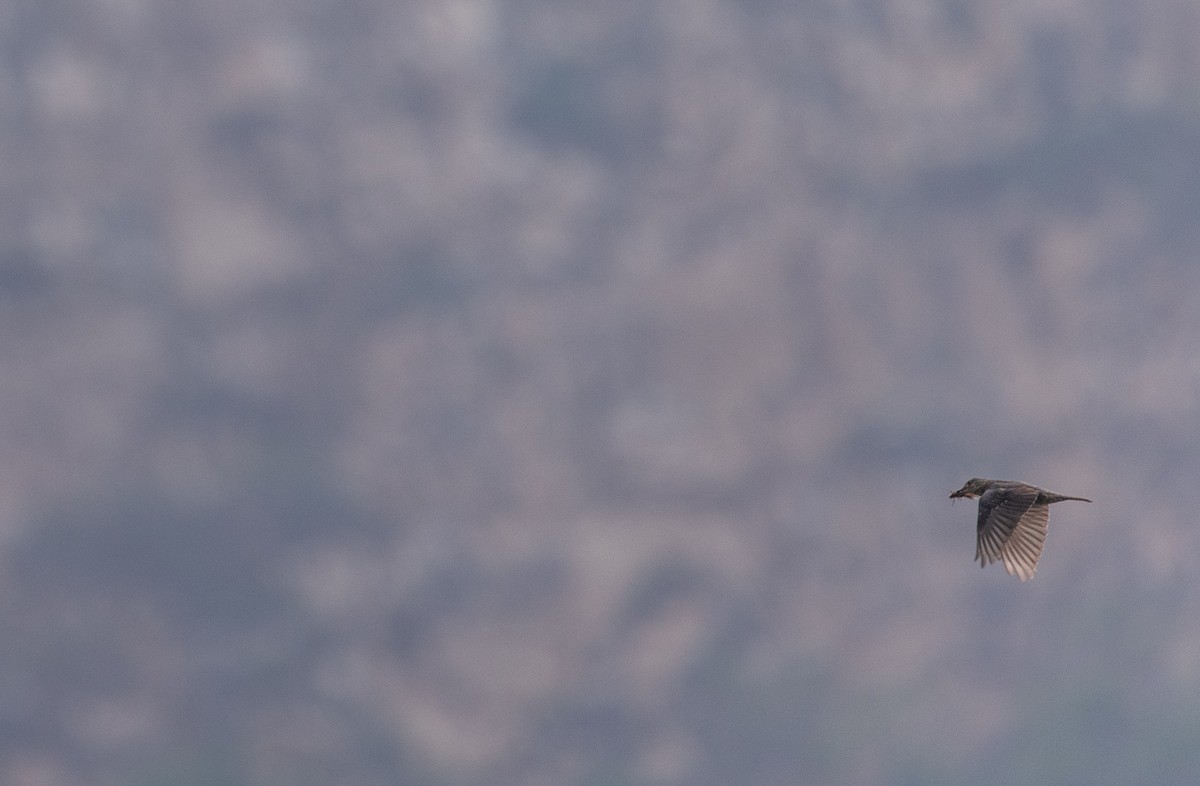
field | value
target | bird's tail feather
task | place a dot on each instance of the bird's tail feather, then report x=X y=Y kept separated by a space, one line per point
x=1063 y=498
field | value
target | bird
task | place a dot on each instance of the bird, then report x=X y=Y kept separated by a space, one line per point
x=1013 y=518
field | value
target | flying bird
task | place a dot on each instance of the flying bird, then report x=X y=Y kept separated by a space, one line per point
x=1012 y=524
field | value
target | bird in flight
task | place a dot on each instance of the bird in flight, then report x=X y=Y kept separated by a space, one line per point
x=1013 y=518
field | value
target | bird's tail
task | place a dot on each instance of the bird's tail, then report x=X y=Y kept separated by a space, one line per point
x=1063 y=498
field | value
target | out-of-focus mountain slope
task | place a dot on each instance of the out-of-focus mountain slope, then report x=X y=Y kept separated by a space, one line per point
x=474 y=392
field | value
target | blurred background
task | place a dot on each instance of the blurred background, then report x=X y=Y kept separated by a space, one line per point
x=470 y=392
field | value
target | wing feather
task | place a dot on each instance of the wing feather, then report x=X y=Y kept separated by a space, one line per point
x=1023 y=548
x=1011 y=529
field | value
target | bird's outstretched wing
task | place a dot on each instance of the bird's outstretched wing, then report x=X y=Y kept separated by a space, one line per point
x=1012 y=529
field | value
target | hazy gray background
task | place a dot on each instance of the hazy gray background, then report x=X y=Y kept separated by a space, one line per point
x=474 y=392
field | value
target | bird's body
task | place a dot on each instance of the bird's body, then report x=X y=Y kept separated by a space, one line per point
x=1013 y=519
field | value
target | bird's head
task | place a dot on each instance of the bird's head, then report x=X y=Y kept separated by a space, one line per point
x=972 y=488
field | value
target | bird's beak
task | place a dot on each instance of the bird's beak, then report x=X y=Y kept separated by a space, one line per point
x=960 y=493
